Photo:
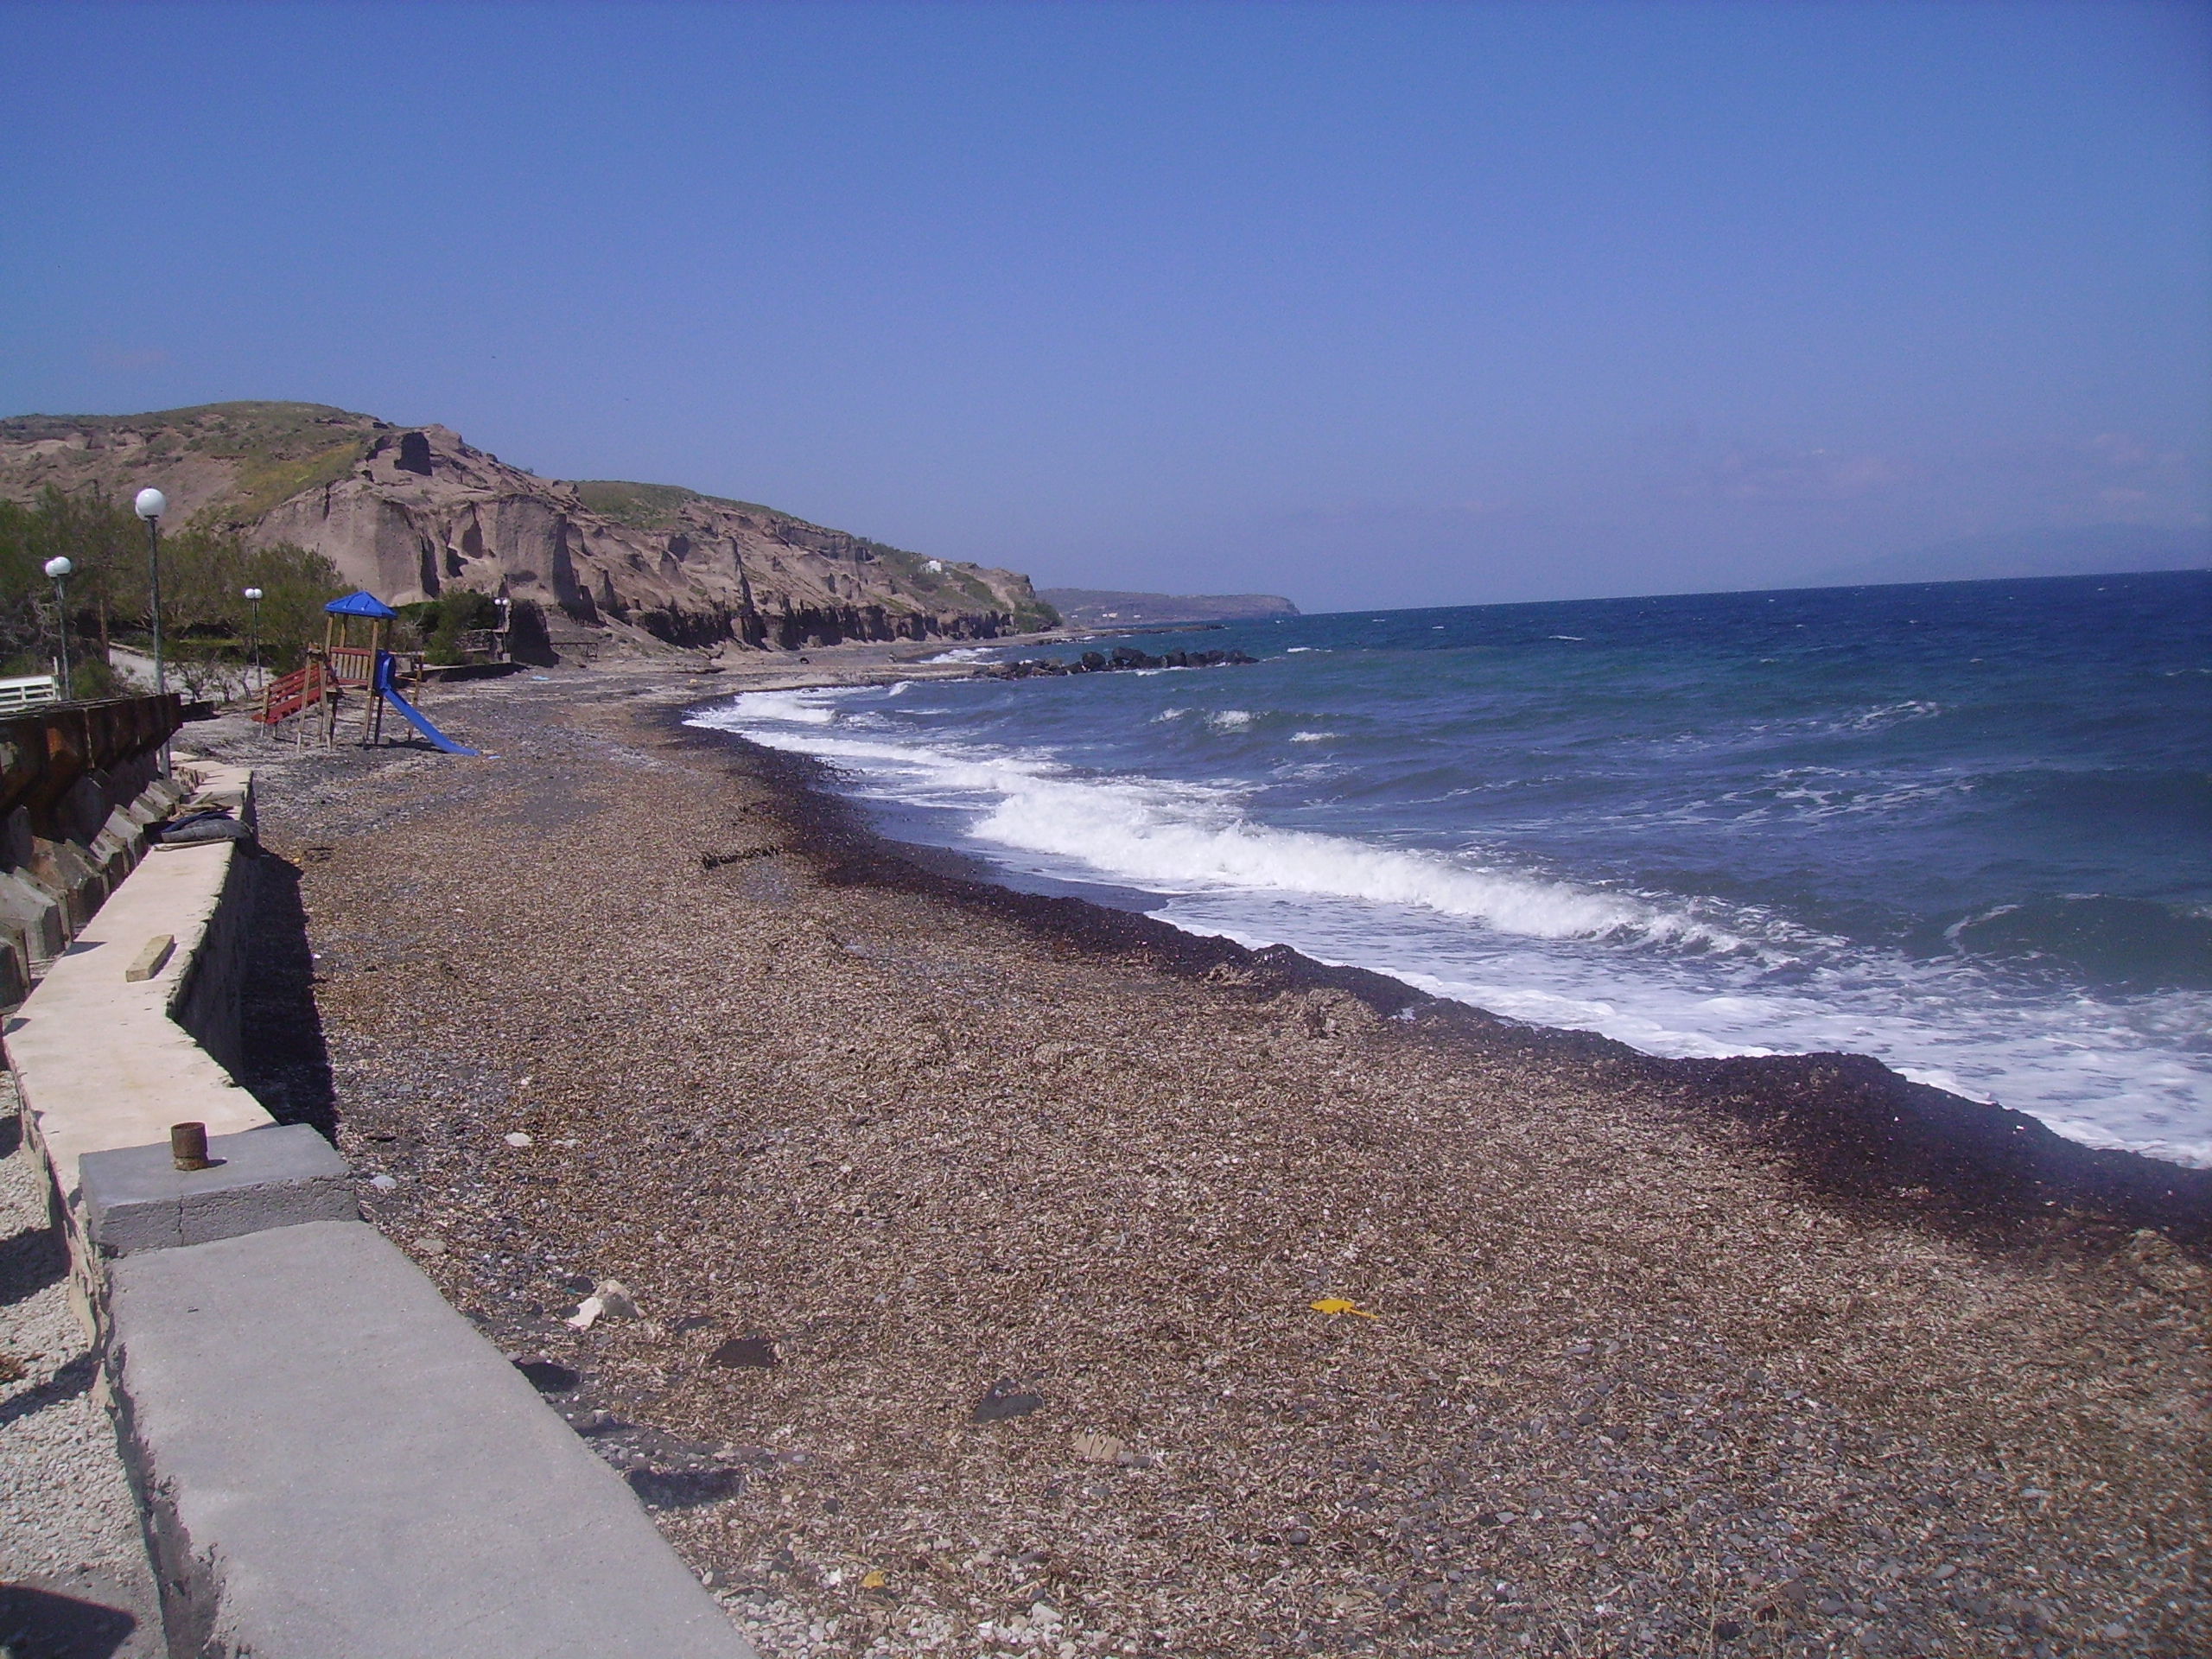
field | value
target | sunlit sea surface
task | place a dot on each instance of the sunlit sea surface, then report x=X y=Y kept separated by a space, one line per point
x=1965 y=828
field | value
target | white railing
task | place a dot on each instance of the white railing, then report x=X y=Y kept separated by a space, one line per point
x=27 y=691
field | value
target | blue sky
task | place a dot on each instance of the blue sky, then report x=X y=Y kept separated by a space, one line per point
x=1367 y=304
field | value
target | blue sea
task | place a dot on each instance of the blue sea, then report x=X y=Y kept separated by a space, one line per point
x=1965 y=828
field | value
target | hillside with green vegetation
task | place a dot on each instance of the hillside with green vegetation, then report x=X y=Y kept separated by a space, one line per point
x=409 y=512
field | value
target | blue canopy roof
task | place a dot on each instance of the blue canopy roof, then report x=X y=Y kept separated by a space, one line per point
x=362 y=604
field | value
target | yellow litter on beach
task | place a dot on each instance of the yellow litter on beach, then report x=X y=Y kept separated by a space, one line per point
x=1334 y=1305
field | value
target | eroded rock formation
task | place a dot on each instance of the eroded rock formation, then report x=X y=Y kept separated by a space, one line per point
x=409 y=512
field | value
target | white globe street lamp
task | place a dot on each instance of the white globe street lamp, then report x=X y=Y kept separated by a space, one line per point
x=150 y=505
x=58 y=571
x=253 y=598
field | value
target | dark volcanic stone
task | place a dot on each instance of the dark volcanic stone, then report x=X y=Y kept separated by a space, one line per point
x=548 y=1376
x=744 y=1350
x=684 y=1489
x=1006 y=1399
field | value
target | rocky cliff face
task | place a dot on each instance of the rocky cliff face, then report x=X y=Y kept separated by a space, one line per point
x=407 y=511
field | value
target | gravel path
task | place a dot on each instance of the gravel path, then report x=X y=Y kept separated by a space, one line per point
x=74 y=1576
x=959 y=1274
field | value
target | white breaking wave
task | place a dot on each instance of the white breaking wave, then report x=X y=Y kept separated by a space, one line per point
x=1873 y=720
x=1230 y=720
x=1186 y=838
x=801 y=707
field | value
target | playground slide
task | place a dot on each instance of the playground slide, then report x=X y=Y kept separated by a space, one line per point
x=413 y=715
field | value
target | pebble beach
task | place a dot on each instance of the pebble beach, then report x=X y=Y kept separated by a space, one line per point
x=955 y=1271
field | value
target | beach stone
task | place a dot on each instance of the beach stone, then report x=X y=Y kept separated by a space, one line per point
x=548 y=1376
x=742 y=1351
x=1005 y=1398
x=1098 y=1448
x=683 y=1489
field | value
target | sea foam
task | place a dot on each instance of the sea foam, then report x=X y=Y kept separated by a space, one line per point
x=1181 y=837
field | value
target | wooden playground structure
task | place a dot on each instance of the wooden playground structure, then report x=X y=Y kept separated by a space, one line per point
x=344 y=677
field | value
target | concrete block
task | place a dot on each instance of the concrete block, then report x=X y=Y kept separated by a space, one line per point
x=15 y=970
x=337 y=1466
x=152 y=958
x=17 y=842
x=62 y=868
x=112 y=857
x=27 y=908
x=16 y=839
x=82 y=808
x=129 y=776
x=128 y=825
x=135 y=1198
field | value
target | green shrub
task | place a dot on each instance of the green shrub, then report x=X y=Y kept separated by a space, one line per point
x=206 y=621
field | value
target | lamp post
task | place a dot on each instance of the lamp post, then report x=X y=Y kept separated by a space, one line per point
x=59 y=570
x=253 y=598
x=150 y=505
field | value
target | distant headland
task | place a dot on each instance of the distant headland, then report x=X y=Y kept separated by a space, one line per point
x=1092 y=607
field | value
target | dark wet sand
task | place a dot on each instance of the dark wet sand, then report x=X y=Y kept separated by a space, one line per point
x=1752 y=1356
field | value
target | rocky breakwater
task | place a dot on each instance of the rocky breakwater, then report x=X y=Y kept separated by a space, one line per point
x=407 y=512
x=1122 y=657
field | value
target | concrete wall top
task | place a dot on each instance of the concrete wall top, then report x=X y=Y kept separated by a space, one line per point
x=341 y=1468
x=100 y=1061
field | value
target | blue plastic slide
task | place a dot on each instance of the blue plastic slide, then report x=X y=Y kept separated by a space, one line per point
x=388 y=690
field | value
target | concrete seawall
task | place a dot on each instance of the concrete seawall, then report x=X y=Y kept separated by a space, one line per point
x=329 y=1460
x=105 y=1061
x=78 y=784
